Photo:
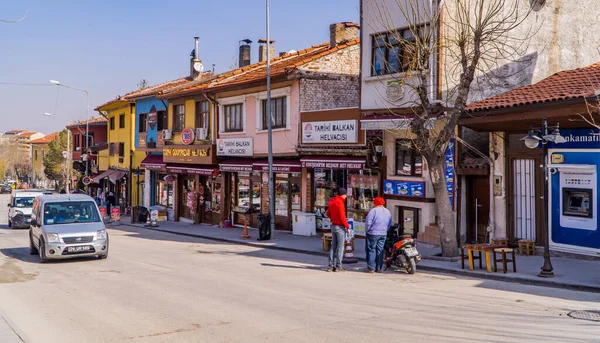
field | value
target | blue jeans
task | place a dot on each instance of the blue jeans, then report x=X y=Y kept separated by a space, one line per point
x=374 y=248
x=338 y=237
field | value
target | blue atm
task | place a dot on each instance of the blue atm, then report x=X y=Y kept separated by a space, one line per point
x=573 y=202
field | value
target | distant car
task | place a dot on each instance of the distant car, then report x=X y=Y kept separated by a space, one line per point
x=66 y=226
x=5 y=189
x=19 y=208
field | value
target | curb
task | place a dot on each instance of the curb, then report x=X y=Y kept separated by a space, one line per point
x=461 y=272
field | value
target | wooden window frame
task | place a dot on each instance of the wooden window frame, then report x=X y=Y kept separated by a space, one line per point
x=399 y=39
x=202 y=117
x=122 y=121
x=143 y=123
x=228 y=120
x=112 y=123
x=178 y=118
x=414 y=156
x=279 y=118
x=162 y=120
x=121 y=149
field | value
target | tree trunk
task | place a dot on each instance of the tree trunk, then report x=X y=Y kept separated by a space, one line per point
x=443 y=206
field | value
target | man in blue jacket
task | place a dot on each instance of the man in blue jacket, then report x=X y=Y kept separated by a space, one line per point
x=377 y=223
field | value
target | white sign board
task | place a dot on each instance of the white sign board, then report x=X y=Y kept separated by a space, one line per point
x=335 y=131
x=234 y=147
x=385 y=124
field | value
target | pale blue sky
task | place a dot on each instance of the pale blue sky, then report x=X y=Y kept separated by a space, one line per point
x=107 y=46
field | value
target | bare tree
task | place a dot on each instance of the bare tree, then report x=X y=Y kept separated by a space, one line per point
x=468 y=40
x=142 y=84
x=16 y=159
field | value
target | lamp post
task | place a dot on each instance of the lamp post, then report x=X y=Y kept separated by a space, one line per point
x=87 y=121
x=68 y=157
x=270 y=126
x=532 y=141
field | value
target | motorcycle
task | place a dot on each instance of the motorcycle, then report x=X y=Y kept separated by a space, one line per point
x=400 y=249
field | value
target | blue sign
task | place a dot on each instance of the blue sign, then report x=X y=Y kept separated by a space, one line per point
x=577 y=139
x=450 y=171
x=404 y=188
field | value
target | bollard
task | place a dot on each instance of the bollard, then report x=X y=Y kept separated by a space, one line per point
x=349 y=253
x=245 y=234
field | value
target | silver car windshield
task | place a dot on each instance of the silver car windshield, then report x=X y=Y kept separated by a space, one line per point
x=24 y=201
x=70 y=212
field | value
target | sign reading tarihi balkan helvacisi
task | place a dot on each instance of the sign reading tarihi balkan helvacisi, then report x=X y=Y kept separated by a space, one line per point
x=234 y=147
x=334 y=131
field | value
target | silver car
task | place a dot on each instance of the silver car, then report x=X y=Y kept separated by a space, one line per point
x=65 y=226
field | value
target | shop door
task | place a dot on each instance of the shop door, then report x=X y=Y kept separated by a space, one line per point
x=282 y=201
x=478 y=208
x=524 y=199
x=187 y=186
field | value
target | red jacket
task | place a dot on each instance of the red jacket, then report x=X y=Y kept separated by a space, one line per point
x=337 y=212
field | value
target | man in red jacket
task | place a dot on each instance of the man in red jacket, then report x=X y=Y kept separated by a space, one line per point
x=339 y=226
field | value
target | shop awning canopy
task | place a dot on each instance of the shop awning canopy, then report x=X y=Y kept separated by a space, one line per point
x=112 y=174
x=192 y=170
x=236 y=166
x=279 y=166
x=333 y=162
x=97 y=178
x=154 y=162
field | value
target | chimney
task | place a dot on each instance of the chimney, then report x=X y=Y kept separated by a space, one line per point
x=195 y=62
x=244 y=57
x=262 y=50
x=342 y=32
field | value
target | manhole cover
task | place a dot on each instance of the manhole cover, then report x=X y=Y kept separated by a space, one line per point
x=585 y=315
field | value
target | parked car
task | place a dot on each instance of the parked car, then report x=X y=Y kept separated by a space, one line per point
x=66 y=226
x=5 y=189
x=19 y=208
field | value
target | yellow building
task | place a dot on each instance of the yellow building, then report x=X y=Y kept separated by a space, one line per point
x=39 y=149
x=123 y=159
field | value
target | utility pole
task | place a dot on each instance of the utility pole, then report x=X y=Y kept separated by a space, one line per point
x=270 y=127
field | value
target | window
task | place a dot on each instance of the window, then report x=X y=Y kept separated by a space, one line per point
x=408 y=160
x=178 y=118
x=111 y=149
x=162 y=120
x=69 y=212
x=392 y=52
x=36 y=155
x=90 y=138
x=121 y=121
x=278 y=113
x=121 y=149
x=143 y=122
x=203 y=114
x=112 y=123
x=233 y=120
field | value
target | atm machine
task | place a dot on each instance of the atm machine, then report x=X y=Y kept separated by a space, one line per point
x=573 y=201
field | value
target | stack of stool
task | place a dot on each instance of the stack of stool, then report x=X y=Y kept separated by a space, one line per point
x=526 y=247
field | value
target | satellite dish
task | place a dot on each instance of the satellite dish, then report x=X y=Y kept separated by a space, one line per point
x=198 y=67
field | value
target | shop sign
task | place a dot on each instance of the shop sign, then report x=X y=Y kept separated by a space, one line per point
x=234 y=147
x=192 y=171
x=169 y=178
x=279 y=167
x=335 y=131
x=577 y=138
x=384 y=124
x=189 y=155
x=152 y=118
x=404 y=188
x=187 y=136
x=235 y=168
x=449 y=174
x=333 y=165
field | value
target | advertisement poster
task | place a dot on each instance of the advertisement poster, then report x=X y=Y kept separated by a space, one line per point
x=404 y=188
x=450 y=172
x=115 y=214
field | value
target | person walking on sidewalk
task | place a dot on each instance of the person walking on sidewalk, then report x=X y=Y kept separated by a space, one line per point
x=339 y=226
x=378 y=220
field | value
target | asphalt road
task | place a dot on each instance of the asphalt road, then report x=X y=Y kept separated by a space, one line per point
x=159 y=287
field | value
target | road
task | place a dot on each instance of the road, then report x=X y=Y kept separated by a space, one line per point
x=159 y=287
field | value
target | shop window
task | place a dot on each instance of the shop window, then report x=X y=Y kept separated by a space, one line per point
x=213 y=197
x=243 y=196
x=178 y=118
x=121 y=121
x=362 y=188
x=233 y=118
x=326 y=181
x=203 y=114
x=143 y=123
x=409 y=161
x=162 y=122
x=163 y=192
x=296 y=196
x=278 y=113
x=409 y=218
x=281 y=197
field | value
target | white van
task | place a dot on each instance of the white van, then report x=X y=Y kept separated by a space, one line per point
x=19 y=208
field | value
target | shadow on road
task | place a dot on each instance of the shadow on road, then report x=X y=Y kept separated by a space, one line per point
x=22 y=254
x=524 y=288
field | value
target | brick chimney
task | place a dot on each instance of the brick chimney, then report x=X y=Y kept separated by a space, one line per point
x=342 y=32
x=262 y=50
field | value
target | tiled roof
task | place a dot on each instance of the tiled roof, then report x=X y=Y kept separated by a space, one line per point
x=46 y=139
x=93 y=120
x=25 y=134
x=564 y=85
x=280 y=66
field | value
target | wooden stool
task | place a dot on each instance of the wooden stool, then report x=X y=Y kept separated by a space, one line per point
x=473 y=257
x=526 y=247
x=326 y=240
x=500 y=241
x=504 y=260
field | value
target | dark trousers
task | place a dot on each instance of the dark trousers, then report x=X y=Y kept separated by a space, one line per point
x=374 y=249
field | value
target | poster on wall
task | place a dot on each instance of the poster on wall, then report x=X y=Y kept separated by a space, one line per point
x=404 y=188
x=449 y=173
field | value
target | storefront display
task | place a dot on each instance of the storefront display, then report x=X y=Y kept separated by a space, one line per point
x=163 y=194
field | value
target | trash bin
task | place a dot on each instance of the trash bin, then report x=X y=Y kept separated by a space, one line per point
x=264 y=227
x=139 y=214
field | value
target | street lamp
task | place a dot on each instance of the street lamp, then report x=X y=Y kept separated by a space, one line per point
x=87 y=132
x=68 y=157
x=532 y=141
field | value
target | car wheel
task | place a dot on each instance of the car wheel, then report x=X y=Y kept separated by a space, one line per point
x=32 y=249
x=42 y=252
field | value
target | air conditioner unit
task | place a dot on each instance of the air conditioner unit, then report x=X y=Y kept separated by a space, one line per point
x=167 y=134
x=201 y=133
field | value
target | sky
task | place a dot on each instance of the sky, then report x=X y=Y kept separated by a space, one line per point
x=107 y=46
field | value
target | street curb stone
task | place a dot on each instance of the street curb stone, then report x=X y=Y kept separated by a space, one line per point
x=541 y=282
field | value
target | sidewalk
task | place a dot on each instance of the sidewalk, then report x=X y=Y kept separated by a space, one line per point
x=572 y=274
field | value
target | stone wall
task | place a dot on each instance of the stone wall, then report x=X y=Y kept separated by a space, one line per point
x=326 y=94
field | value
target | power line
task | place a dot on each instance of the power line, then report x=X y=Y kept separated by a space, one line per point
x=24 y=84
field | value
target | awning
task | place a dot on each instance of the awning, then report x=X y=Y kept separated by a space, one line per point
x=279 y=166
x=97 y=178
x=333 y=162
x=236 y=166
x=116 y=175
x=154 y=162
x=192 y=170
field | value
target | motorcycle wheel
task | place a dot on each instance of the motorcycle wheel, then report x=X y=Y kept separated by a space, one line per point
x=411 y=266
